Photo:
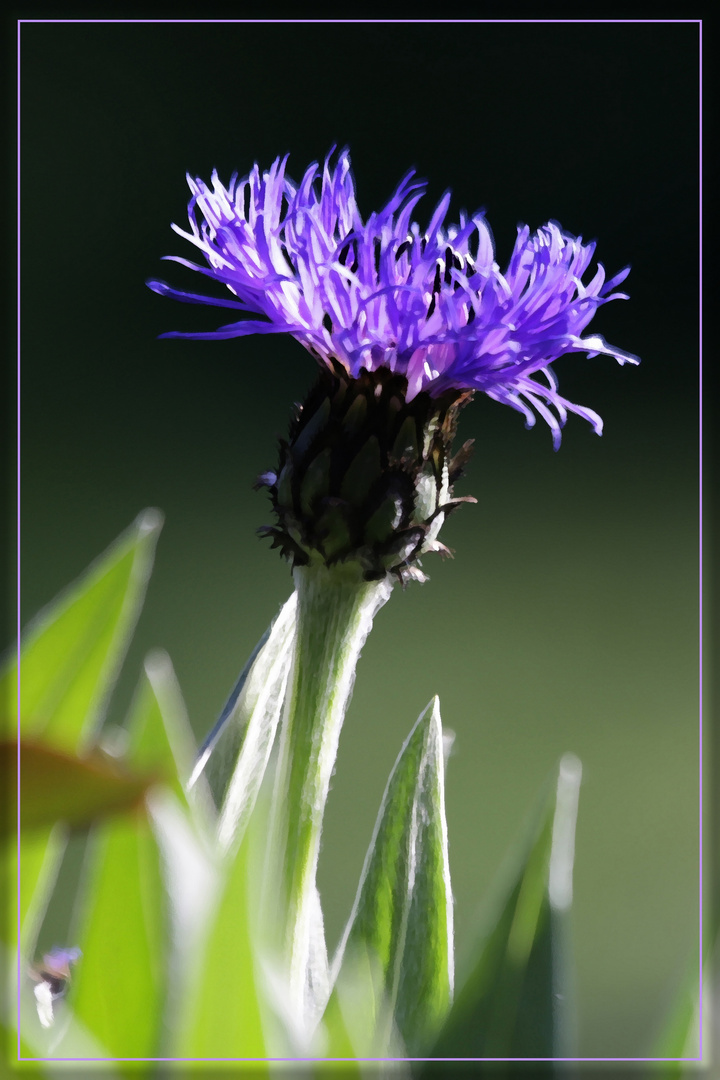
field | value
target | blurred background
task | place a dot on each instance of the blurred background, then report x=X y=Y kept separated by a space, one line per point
x=568 y=617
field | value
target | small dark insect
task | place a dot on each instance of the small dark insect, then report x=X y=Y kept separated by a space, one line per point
x=51 y=974
x=54 y=969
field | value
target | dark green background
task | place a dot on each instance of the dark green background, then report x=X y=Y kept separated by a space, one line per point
x=568 y=618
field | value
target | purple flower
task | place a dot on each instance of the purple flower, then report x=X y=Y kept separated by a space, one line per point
x=432 y=306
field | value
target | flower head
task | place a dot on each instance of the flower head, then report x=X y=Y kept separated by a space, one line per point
x=432 y=306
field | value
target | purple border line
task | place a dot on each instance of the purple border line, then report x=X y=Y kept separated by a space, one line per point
x=700 y=492
x=320 y=1059
x=18 y=547
x=696 y=22
x=374 y=22
x=363 y=22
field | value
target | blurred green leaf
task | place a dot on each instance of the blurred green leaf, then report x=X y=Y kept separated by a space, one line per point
x=37 y=1042
x=72 y=650
x=358 y=1020
x=403 y=910
x=29 y=882
x=162 y=737
x=318 y=970
x=514 y=1001
x=236 y=753
x=119 y=986
x=190 y=875
x=55 y=786
x=71 y=653
x=221 y=1013
x=335 y=1038
x=41 y=853
x=680 y=1037
x=122 y=985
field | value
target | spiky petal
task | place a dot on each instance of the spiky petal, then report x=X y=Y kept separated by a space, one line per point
x=432 y=306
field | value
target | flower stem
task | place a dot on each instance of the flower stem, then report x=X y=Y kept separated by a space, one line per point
x=336 y=608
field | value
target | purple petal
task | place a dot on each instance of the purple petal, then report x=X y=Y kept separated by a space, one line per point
x=433 y=306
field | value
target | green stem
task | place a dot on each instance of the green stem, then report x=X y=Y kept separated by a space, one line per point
x=336 y=608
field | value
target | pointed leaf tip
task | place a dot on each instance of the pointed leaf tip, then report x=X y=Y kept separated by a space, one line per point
x=235 y=754
x=73 y=648
x=562 y=853
x=158 y=664
x=403 y=910
x=150 y=520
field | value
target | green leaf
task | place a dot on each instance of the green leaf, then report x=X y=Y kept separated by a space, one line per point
x=146 y=887
x=357 y=1022
x=72 y=651
x=680 y=1036
x=403 y=910
x=55 y=786
x=40 y=857
x=236 y=753
x=220 y=1015
x=163 y=740
x=33 y=877
x=119 y=986
x=36 y=1041
x=318 y=971
x=515 y=999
